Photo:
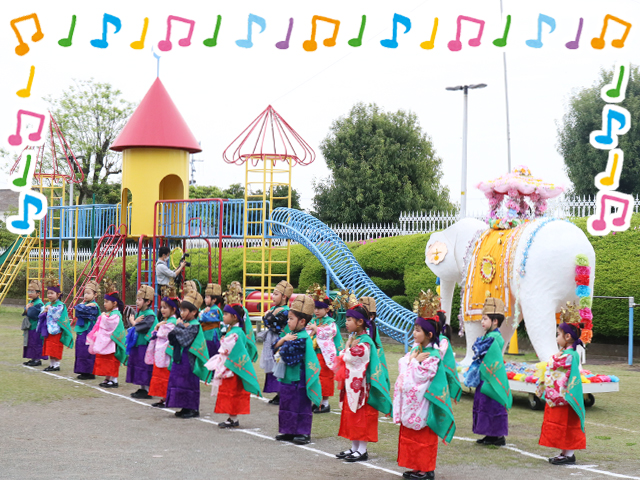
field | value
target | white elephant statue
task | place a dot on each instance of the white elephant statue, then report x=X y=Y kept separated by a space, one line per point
x=548 y=284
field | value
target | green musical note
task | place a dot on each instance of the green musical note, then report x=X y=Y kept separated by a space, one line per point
x=22 y=182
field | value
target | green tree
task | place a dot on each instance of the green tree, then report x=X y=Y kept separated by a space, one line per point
x=200 y=191
x=108 y=193
x=381 y=164
x=6 y=237
x=91 y=115
x=584 y=115
x=282 y=191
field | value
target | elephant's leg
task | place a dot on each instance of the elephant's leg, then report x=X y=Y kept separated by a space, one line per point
x=507 y=332
x=540 y=319
x=472 y=330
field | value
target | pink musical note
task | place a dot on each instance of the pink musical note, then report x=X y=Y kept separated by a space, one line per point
x=16 y=139
x=456 y=45
x=284 y=44
x=165 y=45
x=602 y=222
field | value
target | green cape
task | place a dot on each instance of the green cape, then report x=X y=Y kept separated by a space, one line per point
x=119 y=336
x=67 y=336
x=378 y=378
x=34 y=323
x=493 y=373
x=199 y=350
x=80 y=330
x=337 y=340
x=449 y=362
x=440 y=418
x=382 y=357
x=574 y=395
x=239 y=362
x=311 y=368
x=142 y=339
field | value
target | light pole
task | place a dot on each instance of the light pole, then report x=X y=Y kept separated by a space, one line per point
x=463 y=198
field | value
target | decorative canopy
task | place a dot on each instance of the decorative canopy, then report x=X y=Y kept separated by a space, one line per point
x=522 y=182
x=269 y=137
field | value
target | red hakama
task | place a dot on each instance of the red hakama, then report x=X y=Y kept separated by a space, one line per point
x=326 y=378
x=159 y=382
x=362 y=425
x=417 y=449
x=107 y=365
x=232 y=398
x=561 y=429
x=52 y=346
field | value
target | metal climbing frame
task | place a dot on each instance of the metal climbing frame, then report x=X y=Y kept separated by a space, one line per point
x=393 y=319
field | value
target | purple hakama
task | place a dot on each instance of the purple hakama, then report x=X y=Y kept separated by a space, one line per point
x=271 y=384
x=489 y=417
x=138 y=372
x=84 y=360
x=183 y=390
x=295 y=415
x=33 y=350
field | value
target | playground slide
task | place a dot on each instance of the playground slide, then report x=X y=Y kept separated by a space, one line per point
x=393 y=319
x=9 y=251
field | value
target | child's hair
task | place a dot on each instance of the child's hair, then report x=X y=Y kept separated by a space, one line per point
x=496 y=316
x=162 y=251
x=445 y=328
x=188 y=306
x=577 y=329
x=217 y=300
x=372 y=329
x=119 y=303
x=304 y=316
x=438 y=328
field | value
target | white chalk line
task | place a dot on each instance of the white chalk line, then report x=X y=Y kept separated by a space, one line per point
x=610 y=426
x=588 y=468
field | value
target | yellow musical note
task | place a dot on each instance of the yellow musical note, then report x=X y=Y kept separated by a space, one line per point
x=139 y=44
x=26 y=92
x=429 y=44
x=610 y=178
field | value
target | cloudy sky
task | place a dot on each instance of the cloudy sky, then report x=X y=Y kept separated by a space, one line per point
x=221 y=90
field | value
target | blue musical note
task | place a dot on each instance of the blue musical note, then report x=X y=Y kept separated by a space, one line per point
x=542 y=19
x=23 y=223
x=393 y=42
x=607 y=138
x=247 y=43
x=107 y=19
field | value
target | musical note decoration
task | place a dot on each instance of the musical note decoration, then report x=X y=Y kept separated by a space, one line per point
x=598 y=42
x=166 y=45
x=284 y=44
x=311 y=45
x=24 y=222
x=502 y=41
x=26 y=92
x=574 y=44
x=616 y=91
x=456 y=45
x=106 y=21
x=537 y=43
x=604 y=220
x=139 y=44
x=248 y=42
x=429 y=44
x=21 y=180
x=16 y=140
x=213 y=41
x=393 y=41
x=357 y=42
x=610 y=178
x=66 y=42
x=23 y=48
x=607 y=138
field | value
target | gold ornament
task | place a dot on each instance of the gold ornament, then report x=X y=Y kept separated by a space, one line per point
x=570 y=314
x=427 y=304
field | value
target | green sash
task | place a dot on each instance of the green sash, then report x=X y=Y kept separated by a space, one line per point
x=34 y=323
x=239 y=362
x=449 y=362
x=311 y=369
x=382 y=357
x=440 y=418
x=493 y=373
x=67 y=336
x=142 y=339
x=574 y=395
x=119 y=336
x=86 y=327
x=378 y=378
x=199 y=349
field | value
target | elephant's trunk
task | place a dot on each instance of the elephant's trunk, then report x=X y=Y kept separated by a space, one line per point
x=446 y=294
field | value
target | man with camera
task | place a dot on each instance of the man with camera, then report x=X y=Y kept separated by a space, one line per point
x=164 y=274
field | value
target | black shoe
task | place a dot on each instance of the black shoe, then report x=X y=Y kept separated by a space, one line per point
x=110 y=384
x=51 y=369
x=344 y=454
x=302 y=439
x=228 y=423
x=159 y=404
x=275 y=400
x=357 y=457
x=86 y=376
x=33 y=363
x=322 y=409
x=408 y=473
x=180 y=412
x=141 y=393
x=496 y=441
x=190 y=413
x=562 y=460
x=482 y=440
x=284 y=437
x=425 y=476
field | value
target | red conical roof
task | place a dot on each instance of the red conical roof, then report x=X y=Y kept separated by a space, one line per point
x=156 y=123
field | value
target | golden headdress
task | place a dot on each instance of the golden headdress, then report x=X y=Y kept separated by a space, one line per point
x=109 y=286
x=233 y=295
x=344 y=300
x=570 y=314
x=317 y=292
x=168 y=291
x=427 y=304
x=51 y=281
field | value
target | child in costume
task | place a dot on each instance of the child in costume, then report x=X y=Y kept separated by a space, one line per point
x=421 y=402
x=488 y=376
x=448 y=357
x=563 y=424
x=275 y=321
x=248 y=326
x=54 y=326
x=32 y=346
x=156 y=354
x=326 y=341
x=188 y=350
x=211 y=317
x=369 y=303
x=138 y=372
x=86 y=315
x=363 y=384
x=234 y=378
x=300 y=378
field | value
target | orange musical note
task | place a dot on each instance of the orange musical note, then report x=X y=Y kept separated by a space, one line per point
x=429 y=44
x=598 y=42
x=26 y=92
x=23 y=48
x=598 y=224
x=610 y=178
x=311 y=45
x=139 y=44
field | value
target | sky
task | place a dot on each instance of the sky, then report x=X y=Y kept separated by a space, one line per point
x=220 y=90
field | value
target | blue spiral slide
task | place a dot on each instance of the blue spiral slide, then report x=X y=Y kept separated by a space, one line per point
x=286 y=223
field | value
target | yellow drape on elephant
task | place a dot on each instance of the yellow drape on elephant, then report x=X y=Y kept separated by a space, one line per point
x=489 y=271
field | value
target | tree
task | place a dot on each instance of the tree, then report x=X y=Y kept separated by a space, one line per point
x=91 y=115
x=381 y=164
x=236 y=191
x=584 y=115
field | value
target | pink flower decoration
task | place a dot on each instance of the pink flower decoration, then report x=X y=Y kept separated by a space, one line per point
x=586 y=314
x=583 y=270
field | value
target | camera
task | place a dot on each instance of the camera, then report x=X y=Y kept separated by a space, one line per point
x=184 y=259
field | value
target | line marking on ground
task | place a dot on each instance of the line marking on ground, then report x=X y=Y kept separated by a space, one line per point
x=610 y=426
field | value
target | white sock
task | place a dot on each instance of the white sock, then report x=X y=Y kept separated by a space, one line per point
x=144 y=387
x=325 y=402
x=233 y=418
x=354 y=445
x=567 y=453
x=56 y=363
x=362 y=447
